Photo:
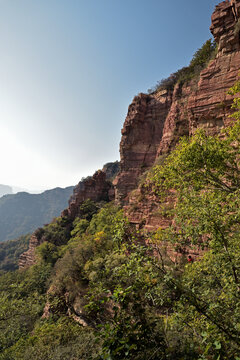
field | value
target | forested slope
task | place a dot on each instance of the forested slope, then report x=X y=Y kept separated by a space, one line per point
x=101 y=289
x=150 y=271
x=22 y=213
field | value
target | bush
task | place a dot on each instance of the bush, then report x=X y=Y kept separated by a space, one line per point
x=199 y=61
x=10 y=251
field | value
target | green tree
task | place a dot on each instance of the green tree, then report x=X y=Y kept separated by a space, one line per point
x=203 y=174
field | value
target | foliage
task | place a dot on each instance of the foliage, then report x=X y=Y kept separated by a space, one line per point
x=57 y=232
x=60 y=340
x=87 y=209
x=203 y=173
x=21 y=303
x=136 y=302
x=199 y=61
x=236 y=101
x=10 y=251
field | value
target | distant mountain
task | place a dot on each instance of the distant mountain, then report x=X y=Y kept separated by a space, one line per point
x=17 y=189
x=5 y=189
x=22 y=213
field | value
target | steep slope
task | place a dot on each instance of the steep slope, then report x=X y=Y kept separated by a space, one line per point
x=141 y=135
x=22 y=213
x=135 y=301
x=10 y=251
x=97 y=188
x=155 y=122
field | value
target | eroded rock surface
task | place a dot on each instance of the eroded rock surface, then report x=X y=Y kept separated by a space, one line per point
x=155 y=123
x=95 y=188
x=141 y=135
x=28 y=258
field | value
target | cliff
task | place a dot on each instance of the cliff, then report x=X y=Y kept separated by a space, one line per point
x=208 y=105
x=177 y=297
x=141 y=135
x=155 y=122
x=28 y=257
x=97 y=188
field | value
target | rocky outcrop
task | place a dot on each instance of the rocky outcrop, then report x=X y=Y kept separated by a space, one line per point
x=204 y=102
x=95 y=188
x=141 y=135
x=111 y=170
x=155 y=122
x=28 y=258
x=224 y=28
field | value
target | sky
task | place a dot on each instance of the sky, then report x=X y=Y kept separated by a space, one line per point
x=70 y=68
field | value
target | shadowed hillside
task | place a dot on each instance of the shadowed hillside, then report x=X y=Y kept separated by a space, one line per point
x=22 y=213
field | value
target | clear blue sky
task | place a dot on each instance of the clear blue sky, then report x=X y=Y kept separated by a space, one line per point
x=70 y=68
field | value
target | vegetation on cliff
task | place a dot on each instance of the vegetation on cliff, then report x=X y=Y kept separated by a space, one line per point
x=10 y=251
x=199 y=61
x=108 y=291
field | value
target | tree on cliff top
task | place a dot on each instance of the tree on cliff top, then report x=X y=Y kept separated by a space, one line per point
x=199 y=61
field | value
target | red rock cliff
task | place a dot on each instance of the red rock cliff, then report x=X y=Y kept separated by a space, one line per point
x=96 y=188
x=28 y=257
x=141 y=135
x=155 y=123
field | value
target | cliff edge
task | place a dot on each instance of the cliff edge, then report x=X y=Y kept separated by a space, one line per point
x=156 y=121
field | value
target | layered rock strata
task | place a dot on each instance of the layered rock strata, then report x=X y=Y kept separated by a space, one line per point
x=224 y=29
x=141 y=135
x=155 y=123
x=206 y=103
x=95 y=188
x=28 y=257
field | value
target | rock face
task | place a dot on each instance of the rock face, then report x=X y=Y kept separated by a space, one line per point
x=111 y=170
x=96 y=188
x=141 y=135
x=224 y=28
x=153 y=126
x=28 y=257
x=155 y=123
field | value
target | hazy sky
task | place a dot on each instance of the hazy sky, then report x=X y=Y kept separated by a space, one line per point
x=70 y=68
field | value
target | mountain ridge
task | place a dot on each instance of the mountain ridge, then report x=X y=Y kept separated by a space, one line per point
x=22 y=213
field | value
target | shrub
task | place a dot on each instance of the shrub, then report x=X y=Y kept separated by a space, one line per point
x=199 y=61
